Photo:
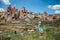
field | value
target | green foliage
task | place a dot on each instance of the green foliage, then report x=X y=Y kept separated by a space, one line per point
x=50 y=34
x=56 y=36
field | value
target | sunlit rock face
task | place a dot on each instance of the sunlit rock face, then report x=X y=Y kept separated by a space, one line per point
x=13 y=12
x=7 y=14
x=27 y=20
x=23 y=10
x=50 y=18
x=9 y=9
x=13 y=15
x=22 y=13
x=44 y=16
x=30 y=15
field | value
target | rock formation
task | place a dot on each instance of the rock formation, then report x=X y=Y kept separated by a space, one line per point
x=13 y=14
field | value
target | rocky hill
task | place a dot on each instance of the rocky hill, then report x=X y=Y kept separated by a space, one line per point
x=13 y=15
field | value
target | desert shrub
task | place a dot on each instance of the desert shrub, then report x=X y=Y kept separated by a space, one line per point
x=56 y=36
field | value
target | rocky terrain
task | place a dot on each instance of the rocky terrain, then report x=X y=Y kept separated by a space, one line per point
x=13 y=15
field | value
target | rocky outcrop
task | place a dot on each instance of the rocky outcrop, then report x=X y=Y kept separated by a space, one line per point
x=13 y=14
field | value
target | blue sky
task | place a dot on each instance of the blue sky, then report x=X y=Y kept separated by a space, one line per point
x=33 y=5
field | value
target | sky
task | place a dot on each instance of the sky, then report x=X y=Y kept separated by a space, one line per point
x=50 y=6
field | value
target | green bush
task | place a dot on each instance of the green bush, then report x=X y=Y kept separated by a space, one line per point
x=57 y=36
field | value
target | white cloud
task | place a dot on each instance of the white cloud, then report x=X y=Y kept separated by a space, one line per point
x=49 y=6
x=1 y=10
x=55 y=7
x=7 y=2
x=57 y=11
